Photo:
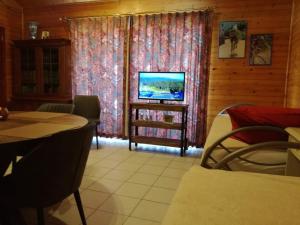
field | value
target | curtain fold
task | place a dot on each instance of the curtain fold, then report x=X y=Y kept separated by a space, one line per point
x=176 y=42
x=98 y=46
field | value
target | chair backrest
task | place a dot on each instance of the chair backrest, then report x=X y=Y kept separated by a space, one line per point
x=54 y=169
x=87 y=106
x=56 y=107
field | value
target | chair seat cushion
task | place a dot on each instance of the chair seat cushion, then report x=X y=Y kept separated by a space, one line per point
x=261 y=115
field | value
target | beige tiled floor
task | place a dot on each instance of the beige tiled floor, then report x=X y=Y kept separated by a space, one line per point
x=124 y=187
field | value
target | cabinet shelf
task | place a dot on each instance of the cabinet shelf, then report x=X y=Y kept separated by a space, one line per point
x=137 y=122
x=156 y=124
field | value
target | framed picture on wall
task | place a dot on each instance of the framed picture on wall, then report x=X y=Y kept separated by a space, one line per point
x=260 y=49
x=232 y=39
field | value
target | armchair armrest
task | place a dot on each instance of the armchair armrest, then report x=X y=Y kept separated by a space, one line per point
x=274 y=145
x=218 y=146
x=224 y=111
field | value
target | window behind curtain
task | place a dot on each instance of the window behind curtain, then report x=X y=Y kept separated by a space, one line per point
x=98 y=66
x=174 y=42
x=161 y=42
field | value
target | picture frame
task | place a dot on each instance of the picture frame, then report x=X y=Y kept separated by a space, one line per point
x=45 y=34
x=232 y=39
x=260 y=53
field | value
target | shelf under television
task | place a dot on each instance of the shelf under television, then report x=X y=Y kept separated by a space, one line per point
x=136 y=121
x=156 y=141
x=157 y=124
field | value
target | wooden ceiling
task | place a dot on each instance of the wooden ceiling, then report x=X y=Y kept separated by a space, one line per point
x=33 y=3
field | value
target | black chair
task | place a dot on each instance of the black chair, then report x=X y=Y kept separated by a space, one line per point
x=88 y=106
x=56 y=107
x=25 y=146
x=49 y=173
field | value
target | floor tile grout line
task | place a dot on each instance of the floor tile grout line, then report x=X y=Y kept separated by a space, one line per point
x=126 y=180
x=141 y=199
x=153 y=154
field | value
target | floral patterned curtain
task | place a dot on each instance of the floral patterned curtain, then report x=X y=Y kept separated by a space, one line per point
x=174 y=42
x=98 y=66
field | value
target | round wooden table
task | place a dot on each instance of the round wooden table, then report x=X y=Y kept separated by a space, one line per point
x=21 y=127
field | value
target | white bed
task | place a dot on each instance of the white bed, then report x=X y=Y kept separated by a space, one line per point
x=217 y=197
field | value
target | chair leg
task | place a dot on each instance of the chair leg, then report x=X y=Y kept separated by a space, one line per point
x=14 y=163
x=97 y=134
x=40 y=216
x=79 y=206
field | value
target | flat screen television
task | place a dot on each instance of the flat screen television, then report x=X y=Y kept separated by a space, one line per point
x=161 y=86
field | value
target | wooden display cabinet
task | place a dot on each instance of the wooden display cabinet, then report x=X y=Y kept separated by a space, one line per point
x=140 y=122
x=2 y=66
x=41 y=73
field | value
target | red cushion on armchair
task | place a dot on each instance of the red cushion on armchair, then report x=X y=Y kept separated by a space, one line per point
x=262 y=115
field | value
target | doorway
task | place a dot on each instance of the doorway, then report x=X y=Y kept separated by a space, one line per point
x=2 y=67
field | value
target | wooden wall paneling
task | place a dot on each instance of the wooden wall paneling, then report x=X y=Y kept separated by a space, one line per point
x=231 y=80
x=293 y=84
x=262 y=85
x=11 y=20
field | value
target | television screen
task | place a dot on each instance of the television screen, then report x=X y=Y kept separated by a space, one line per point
x=161 y=86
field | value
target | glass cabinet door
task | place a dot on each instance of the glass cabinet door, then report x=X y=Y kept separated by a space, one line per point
x=51 y=70
x=28 y=71
x=41 y=71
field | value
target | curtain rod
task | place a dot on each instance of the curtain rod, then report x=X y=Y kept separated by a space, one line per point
x=208 y=9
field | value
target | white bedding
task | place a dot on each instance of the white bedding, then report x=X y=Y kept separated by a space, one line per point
x=216 y=197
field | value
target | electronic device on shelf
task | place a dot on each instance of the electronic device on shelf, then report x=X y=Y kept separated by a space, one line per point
x=168 y=86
